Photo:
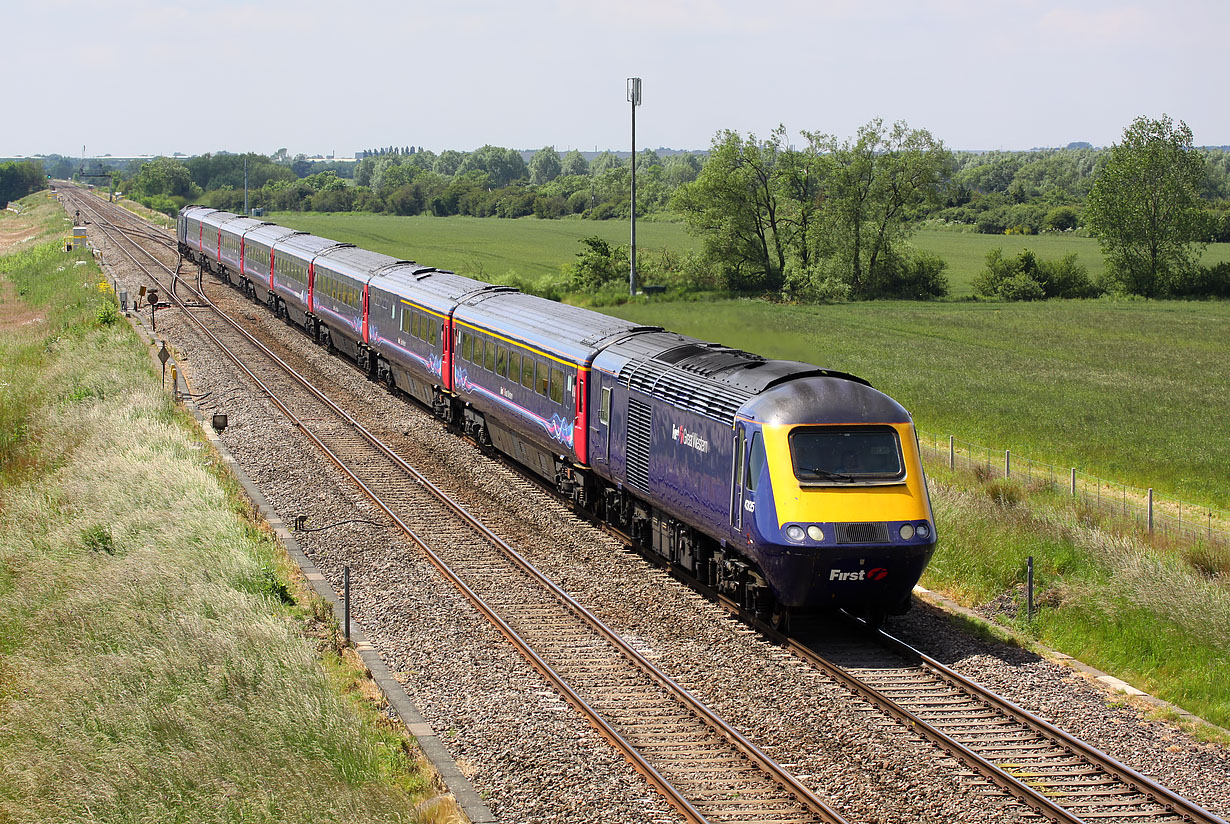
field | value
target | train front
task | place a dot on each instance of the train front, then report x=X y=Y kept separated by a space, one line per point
x=834 y=500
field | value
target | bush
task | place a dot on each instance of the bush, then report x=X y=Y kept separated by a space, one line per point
x=1021 y=287
x=1066 y=278
x=814 y=284
x=919 y=276
x=1203 y=282
x=1027 y=278
x=1061 y=219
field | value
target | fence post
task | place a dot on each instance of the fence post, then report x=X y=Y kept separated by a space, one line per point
x=1007 y=464
x=952 y=455
x=346 y=601
x=1150 y=510
x=1029 y=587
x=1073 y=482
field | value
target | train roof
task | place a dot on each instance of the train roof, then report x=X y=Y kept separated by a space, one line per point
x=307 y=246
x=217 y=217
x=196 y=212
x=239 y=225
x=437 y=289
x=704 y=377
x=355 y=262
x=570 y=332
x=270 y=233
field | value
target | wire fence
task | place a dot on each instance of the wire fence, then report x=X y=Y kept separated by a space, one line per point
x=1171 y=517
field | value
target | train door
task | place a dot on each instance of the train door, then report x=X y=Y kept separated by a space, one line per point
x=600 y=426
x=737 y=471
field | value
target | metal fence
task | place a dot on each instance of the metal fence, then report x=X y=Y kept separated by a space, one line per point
x=1176 y=519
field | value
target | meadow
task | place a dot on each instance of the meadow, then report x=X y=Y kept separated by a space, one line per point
x=484 y=248
x=1131 y=390
x=160 y=660
x=536 y=250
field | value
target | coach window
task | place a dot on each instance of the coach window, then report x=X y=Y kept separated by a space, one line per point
x=431 y=329
x=557 y=385
x=604 y=408
x=755 y=462
x=543 y=376
x=414 y=323
x=467 y=346
x=489 y=362
x=514 y=365
x=501 y=361
x=527 y=371
x=480 y=347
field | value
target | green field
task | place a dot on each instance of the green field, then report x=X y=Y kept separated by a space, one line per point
x=1132 y=390
x=483 y=248
x=966 y=252
x=493 y=248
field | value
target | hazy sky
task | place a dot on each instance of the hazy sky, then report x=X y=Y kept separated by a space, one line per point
x=140 y=77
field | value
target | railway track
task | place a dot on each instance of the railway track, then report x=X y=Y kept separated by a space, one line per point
x=689 y=756
x=702 y=765
x=1053 y=773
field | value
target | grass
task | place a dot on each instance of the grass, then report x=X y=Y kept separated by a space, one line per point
x=158 y=661
x=498 y=248
x=966 y=252
x=484 y=248
x=1143 y=612
x=1130 y=390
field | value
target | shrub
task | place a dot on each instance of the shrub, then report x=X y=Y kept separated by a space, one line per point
x=1061 y=219
x=1028 y=278
x=1066 y=278
x=1021 y=287
x=1203 y=282
x=916 y=276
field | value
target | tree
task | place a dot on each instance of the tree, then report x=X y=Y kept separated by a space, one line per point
x=502 y=165
x=598 y=264
x=734 y=205
x=448 y=162
x=574 y=163
x=163 y=176
x=1145 y=206
x=545 y=165
x=874 y=183
x=18 y=179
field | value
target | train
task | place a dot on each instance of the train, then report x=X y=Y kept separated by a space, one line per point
x=787 y=487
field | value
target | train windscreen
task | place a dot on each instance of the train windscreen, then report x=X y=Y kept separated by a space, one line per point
x=846 y=454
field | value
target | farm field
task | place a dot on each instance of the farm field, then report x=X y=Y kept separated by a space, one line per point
x=492 y=248
x=1131 y=390
x=484 y=248
x=966 y=252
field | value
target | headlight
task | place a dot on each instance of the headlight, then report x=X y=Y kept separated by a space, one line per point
x=815 y=533
x=923 y=531
x=907 y=531
x=795 y=533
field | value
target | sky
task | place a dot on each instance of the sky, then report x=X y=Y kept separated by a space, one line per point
x=138 y=77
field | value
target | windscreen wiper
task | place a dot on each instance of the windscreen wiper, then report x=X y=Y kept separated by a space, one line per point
x=831 y=476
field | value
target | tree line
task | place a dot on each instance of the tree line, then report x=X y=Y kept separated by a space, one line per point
x=18 y=179
x=829 y=219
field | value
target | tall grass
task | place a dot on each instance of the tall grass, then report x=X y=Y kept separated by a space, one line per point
x=151 y=667
x=1143 y=612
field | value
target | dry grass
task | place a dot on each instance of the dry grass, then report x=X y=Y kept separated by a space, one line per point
x=149 y=672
